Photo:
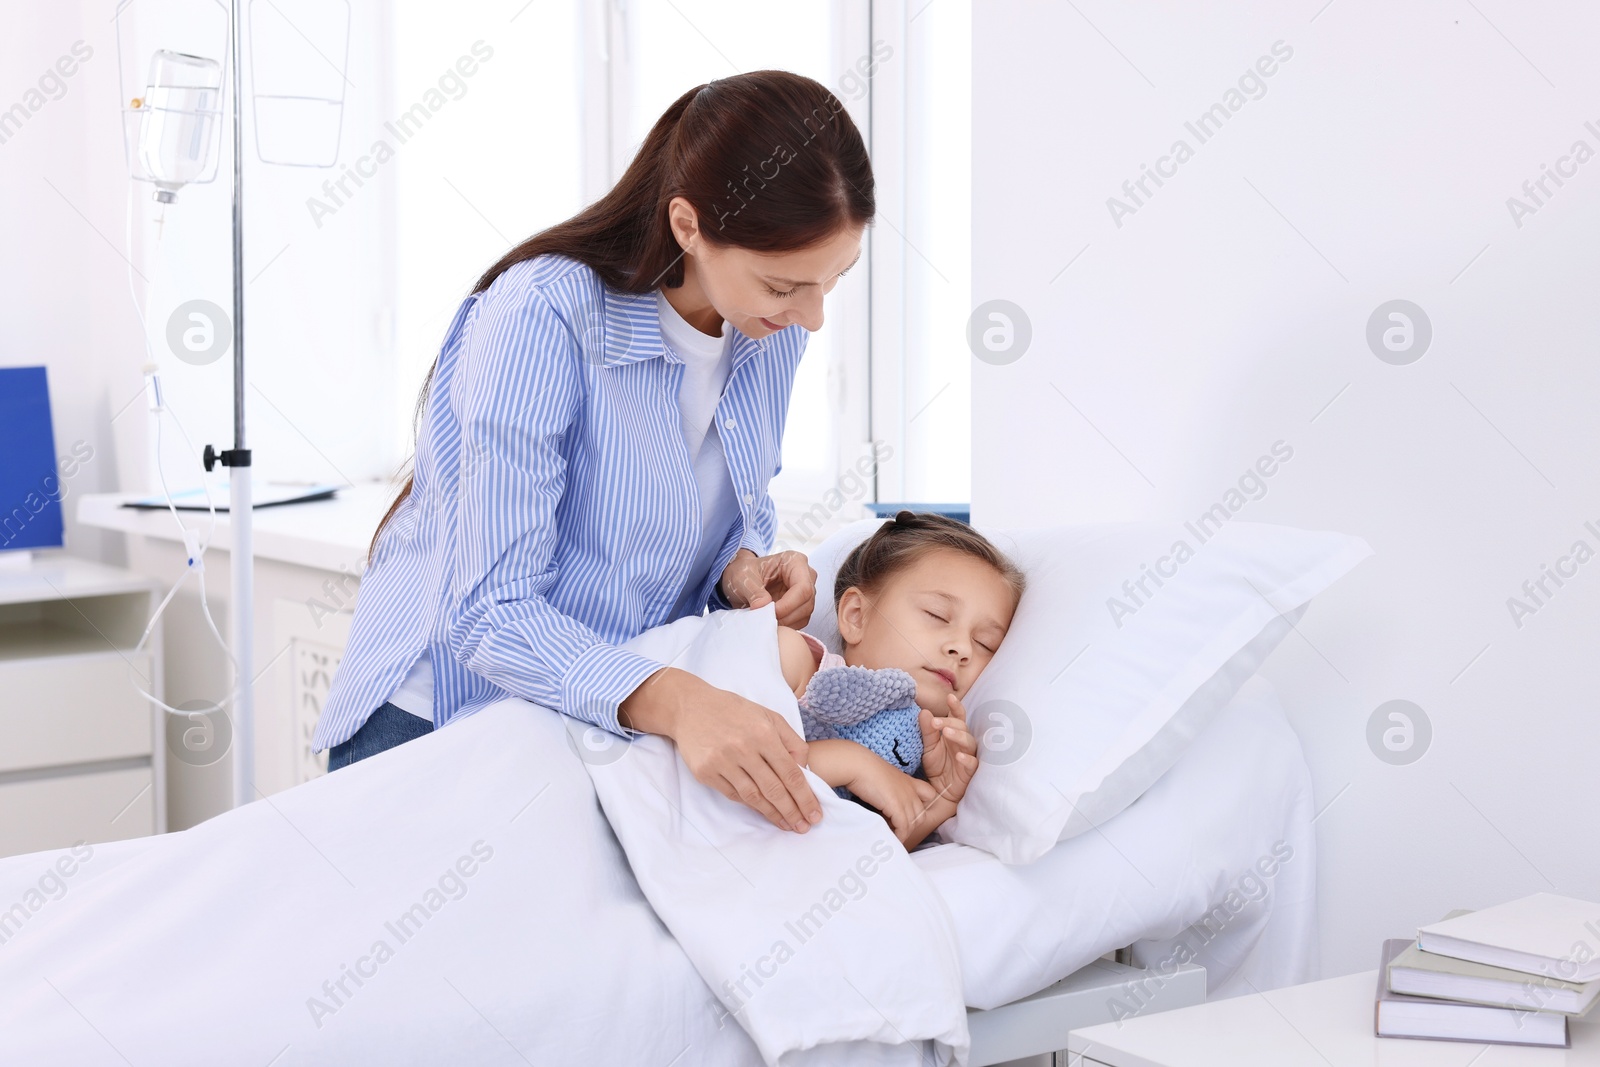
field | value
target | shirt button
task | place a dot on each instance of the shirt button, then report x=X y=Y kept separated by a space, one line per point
x=730 y=424
x=749 y=498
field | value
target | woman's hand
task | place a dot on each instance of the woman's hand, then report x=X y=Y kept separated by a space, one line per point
x=751 y=581
x=949 y=749
x=742 y=750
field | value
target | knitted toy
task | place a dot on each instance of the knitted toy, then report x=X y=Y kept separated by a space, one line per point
x=874 y=708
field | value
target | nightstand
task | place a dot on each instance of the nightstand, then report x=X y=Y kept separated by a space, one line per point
x=1322 y=1024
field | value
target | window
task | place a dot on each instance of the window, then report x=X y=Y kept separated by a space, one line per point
x=658 y=51
x=495 y=164
x=552 y=119
x=922 y=250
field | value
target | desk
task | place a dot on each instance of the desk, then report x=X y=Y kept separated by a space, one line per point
x=322 y=535
x=308 y=562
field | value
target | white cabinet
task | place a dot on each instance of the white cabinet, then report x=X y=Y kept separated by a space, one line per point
x=82 y=754
x=315 y=641
x=307 y=567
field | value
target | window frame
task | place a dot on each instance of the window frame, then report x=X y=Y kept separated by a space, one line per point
x=867 y=384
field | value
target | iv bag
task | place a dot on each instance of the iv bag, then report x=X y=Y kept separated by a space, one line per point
x=177 y=122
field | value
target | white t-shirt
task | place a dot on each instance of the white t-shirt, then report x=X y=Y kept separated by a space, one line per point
x=707 y=361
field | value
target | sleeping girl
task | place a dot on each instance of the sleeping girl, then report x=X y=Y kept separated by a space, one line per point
x=922 y=605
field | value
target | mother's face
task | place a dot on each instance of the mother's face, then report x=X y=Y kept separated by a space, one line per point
x=763 y=292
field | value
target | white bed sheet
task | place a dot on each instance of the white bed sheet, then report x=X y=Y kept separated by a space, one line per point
x=214 y=944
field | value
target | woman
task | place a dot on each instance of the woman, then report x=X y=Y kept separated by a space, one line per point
x=596 y=440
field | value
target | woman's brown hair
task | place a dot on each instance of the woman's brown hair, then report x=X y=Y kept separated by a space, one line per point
x=770 y=161
x=902 y=541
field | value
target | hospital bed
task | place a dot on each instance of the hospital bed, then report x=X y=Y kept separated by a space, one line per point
x=232 y=941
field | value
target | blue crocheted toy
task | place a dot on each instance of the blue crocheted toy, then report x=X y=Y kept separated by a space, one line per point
x=874 y=708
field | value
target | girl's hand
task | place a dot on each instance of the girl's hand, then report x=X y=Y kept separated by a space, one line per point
x=742 y=750
x=949 y=749
x=903 y=800
x=751 y=581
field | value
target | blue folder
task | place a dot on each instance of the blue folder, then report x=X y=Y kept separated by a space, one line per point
x=30 y=488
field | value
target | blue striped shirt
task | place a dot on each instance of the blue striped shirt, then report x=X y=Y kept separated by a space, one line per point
x=554 y=512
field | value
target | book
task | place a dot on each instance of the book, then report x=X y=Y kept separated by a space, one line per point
x=1425 y=974
x=1539 y=934
x=1400 y=1015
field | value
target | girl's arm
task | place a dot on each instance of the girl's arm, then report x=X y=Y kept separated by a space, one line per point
x=798 y=662
x=839 y=762
x=914 y=808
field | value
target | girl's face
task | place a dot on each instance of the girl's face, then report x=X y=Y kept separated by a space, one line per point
x=939 y=620
x=760 y=293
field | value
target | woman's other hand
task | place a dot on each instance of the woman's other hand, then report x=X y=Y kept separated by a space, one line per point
x=742 y=750
x=752 y=581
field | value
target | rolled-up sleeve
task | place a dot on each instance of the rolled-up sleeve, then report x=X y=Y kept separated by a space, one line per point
x=517 y=392
x=765 y=513
x=716 y=601
x=766 y=518
x=758 y=535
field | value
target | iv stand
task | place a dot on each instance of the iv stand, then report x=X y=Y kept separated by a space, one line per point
x=241 y=625
x=241 y=556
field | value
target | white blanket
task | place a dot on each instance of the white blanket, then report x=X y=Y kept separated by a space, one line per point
x=837 y=920
x=255 y=937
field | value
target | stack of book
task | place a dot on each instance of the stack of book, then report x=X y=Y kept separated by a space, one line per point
x=1513 y=974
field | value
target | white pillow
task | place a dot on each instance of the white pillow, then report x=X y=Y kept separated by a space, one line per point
x=1101 y=684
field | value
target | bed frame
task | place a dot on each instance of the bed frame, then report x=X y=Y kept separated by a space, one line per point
x=1032 y=1032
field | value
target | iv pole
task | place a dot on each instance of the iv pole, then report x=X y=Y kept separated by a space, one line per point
x=241 y=556
x=241 y=625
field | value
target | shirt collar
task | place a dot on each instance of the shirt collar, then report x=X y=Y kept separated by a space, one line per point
x=633 y=331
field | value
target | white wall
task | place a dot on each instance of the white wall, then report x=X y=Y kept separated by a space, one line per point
x=61 y=236
x=1229 y=312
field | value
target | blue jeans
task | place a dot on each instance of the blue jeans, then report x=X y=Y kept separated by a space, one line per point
x=385 y=728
